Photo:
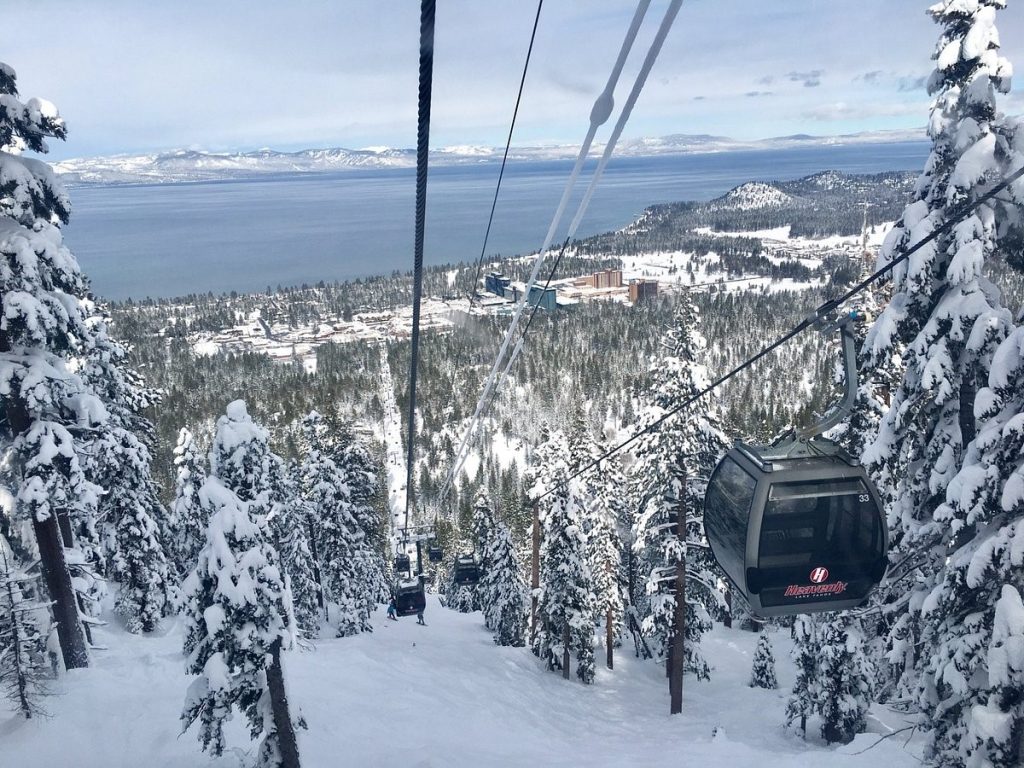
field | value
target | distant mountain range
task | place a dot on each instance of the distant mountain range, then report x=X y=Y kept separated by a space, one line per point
x=194 y=165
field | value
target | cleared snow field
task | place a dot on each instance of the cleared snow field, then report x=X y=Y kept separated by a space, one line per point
x=440 y=695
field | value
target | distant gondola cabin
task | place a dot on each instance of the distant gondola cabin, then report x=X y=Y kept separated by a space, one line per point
x=410 y=597
x=467 y=570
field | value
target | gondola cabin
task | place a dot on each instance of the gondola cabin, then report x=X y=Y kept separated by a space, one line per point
x=410 y=597
x=435 y=554
x=797 y=528
x=467 y=571
x=402 y=563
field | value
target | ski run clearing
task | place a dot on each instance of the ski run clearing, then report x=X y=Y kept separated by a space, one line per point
x=444 y=695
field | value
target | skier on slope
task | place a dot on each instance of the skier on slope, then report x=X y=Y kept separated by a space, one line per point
x=392 y=610
x=419 y=617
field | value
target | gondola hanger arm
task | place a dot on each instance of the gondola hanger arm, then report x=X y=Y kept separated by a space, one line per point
x=844 y=324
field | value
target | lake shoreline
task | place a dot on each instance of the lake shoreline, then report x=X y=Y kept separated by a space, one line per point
x=171 y=240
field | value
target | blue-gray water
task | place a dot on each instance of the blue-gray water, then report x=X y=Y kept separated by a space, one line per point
x=171 y=240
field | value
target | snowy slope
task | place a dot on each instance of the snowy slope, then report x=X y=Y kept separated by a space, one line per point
x=441 y=695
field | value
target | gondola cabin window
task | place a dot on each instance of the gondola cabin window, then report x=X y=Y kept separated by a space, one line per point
x=821 y=538
x=818 y=521
x=727 y=506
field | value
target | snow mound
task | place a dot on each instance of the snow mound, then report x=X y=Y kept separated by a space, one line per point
x=441 y=695
x=237 y=411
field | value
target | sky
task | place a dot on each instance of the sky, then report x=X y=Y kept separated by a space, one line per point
x=224 y=75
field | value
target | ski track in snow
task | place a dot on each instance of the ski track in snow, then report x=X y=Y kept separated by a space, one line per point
x=440 y=696
x=394 y=455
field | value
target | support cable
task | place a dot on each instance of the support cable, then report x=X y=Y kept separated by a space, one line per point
x=620 y=124
x=638 y=85
x=426 y=69
x=822 y=312
x=504 y=159
x=599 y=114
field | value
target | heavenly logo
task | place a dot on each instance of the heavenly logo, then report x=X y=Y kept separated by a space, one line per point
x=818 y=575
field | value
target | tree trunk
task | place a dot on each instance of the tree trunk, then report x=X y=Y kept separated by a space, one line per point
x=535 y=574
x=21 y=682
x=968 y=426
x=609 y=639
x=565 y=651
x=51 y=553
x=64 y=523
x=62 y=593
x=678 y=655
x=67 y=535
x=675 y=683
x=316 y=566
x=279 y=706
x=727 y=618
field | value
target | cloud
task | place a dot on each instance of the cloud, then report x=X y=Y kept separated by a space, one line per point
x=574 y=86
x=766 y=80
x=755 y=94
x=811 y=79
x=911 y=83
x=902 y=83
x=699 y=98
x=840 y=110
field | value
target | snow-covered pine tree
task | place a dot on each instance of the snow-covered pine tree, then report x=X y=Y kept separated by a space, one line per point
x=982 y=714
x=460 y=598
x=996 y=731
x=483 y=530
x=289 y=526
x=45 y=404
x=845 y=678
x=127 y=538
x=134 y=528
x=671 y=463
x=186 y=509
x=338 y=535
x=806 y=693
x=605 y=554
x=145 y=589
x=566 y=605
x=483 y=527
x=23 y=657
x=503 y=590
x=238 y=606
x=947 y=316
x=762 y=674
x=369 y=509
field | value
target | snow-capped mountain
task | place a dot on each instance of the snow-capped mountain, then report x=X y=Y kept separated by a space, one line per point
x=196 y=165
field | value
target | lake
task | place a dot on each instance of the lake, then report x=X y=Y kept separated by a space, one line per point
x=164 y=240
